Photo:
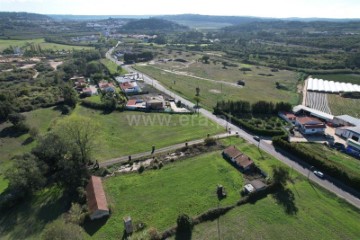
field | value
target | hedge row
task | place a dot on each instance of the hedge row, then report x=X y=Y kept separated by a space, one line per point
x=320 y=163
x=252 y=128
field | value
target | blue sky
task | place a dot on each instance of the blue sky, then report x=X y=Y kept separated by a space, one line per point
x=261 y=8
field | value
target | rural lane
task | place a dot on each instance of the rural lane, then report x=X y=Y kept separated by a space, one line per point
x=125 y=159
x=350 y=195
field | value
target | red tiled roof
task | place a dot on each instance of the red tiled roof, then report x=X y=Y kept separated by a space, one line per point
x=309 y=121
x=243 y=161
x=131 y=102
x=289 y=115
x=126 y=85
x=232 y=152
x=96 y=195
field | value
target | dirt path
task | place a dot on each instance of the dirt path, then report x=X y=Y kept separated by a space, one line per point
x=54 y=64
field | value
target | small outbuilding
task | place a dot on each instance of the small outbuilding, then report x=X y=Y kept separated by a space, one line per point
x=96 y=199
x=128 y=225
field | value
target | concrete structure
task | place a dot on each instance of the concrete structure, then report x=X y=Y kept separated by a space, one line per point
x=96 y=198
x=310 y=125
x=90 y=90
x=130 y=87
x=301 y=109
x=254 y=186
x=349 y=132
x=128 y=225
x=106 y=86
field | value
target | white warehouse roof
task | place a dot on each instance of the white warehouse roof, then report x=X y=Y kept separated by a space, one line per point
x=349 y=119
x=321 y=85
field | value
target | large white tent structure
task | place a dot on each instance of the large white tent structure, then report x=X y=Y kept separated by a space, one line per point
x=320 y=85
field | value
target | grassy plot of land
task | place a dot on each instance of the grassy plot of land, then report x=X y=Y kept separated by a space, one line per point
x=44 y=45
x=112 y=67
x=211 y=92
x=347 y=78
x=320 y=215
x=3 y=184
x=124 y=133
x=157 y=197
x=317 y=214
x=27 y=220
x=340 y=105
x=14 y=144
x=341 y=160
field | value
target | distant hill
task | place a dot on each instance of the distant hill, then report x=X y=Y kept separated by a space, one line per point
x=23 y=16
x=153 y=25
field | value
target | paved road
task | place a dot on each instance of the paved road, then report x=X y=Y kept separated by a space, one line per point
x=342 y=191
x=124 y=159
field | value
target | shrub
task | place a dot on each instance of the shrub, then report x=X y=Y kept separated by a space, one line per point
x=209 y=141
x=141 y=169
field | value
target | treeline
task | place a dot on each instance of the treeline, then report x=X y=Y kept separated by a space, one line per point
x=319 y=162
x=245 y=109
x=138 y=57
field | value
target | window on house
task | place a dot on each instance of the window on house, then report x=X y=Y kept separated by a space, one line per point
x=355 y=138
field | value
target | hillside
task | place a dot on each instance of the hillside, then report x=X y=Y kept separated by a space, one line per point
x=152 y=25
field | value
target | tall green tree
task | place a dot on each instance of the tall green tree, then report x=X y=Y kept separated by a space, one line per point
x=70 y=96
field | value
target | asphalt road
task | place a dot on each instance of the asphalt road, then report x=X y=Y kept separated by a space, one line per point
x=350 y=195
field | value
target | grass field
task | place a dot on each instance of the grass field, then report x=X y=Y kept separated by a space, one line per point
x=341 y=160
x=3 y=184
x=13 y=144
x=157 y=197
x=340 y=105
x=112 y=67
x=320 y=215
x=348 y=78
x=44 y=45
x=27 y=220
x=124 y=133
x=211 y=92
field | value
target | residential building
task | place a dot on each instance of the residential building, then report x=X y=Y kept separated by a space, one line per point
x=288 y=117
x=96 y=198
x=310 y=125
x=106 y=86
x=237 y=157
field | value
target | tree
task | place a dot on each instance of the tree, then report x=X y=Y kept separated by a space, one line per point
x=26 y=174
x=70 y=96
x=197 y=89
x=280 y=176
x=59 y=230
x=5 y=110
x=79 y=132
x=16 y=118
x=205 y=59
x=184 y=227
x=109 y=101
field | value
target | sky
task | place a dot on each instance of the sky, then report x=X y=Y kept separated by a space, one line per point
x=257 y=8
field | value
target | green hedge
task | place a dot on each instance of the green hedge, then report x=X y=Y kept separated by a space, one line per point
x=318 y=162
x=252 y=128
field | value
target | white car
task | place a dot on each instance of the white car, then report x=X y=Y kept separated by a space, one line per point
x=319 y=174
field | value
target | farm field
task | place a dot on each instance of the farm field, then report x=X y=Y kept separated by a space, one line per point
x=320 y=215
x=211 y=92
x=157 y=197
x=124 y=133
x=318 y=101
x=340 y=105
x=340 y=160
x=348 y=78
x=44 y=45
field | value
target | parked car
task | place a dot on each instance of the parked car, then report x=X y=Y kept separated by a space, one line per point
x=257 y=138
x=339 y=146
x=319 y=174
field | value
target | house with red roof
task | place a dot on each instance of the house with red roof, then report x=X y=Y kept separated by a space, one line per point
x=96 y=198
x=310 y=125
x=237 y=157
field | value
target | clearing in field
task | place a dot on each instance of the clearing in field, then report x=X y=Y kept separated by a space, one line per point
x=254 y=90
x=157 y=197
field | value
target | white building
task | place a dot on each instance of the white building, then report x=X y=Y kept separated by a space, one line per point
x=310 y=125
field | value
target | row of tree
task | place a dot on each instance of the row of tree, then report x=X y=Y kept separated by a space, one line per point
x=244 y=108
